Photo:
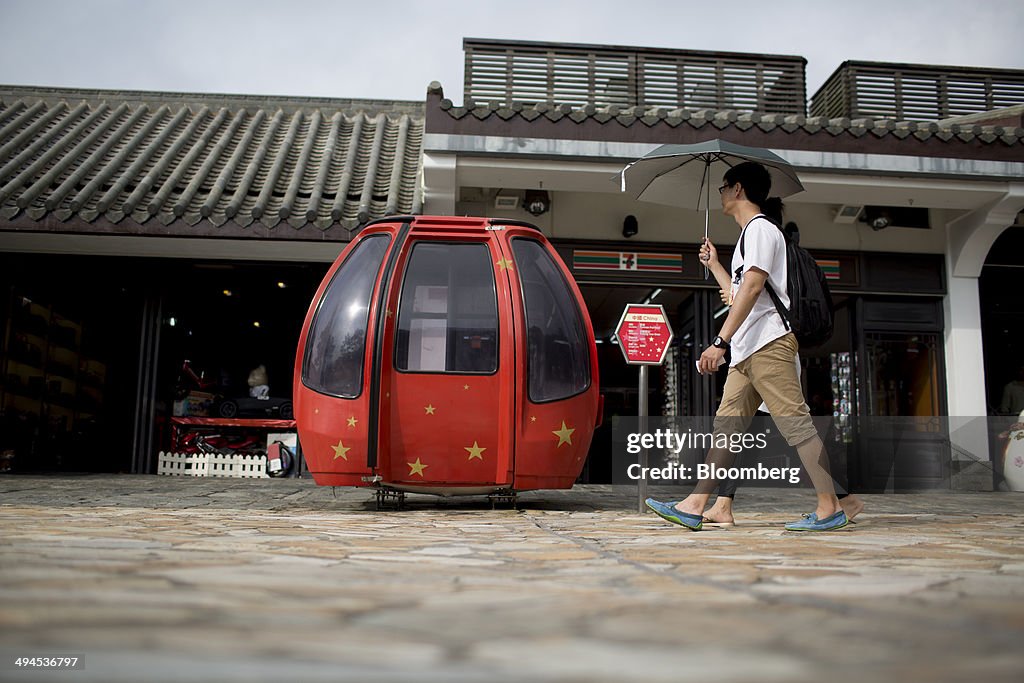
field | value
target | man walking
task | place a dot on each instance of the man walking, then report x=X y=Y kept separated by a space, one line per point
x=763 y=353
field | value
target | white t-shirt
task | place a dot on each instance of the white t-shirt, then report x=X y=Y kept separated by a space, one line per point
x=764 y=248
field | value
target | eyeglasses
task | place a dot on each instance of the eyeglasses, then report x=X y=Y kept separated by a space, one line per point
x=723 y=188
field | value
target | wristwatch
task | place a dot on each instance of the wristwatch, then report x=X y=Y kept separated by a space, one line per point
x=720 y=343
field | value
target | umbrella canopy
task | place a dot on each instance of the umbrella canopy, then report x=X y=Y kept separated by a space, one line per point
x=682 y=175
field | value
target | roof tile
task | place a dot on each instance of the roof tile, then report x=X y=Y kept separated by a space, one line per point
x=172 y=157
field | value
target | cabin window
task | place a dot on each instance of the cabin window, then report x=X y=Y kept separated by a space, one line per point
x=448 y=311
x=336 y=345
x=558 y=359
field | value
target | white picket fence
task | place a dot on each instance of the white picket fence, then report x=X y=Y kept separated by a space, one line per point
x=212 y=465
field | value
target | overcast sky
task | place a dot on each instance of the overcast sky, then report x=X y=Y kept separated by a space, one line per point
x=392 y=49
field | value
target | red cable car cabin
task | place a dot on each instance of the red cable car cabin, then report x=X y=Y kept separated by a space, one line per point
x=447 y=355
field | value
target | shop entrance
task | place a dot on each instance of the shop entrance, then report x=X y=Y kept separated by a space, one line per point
x=93 y=352
x=670 y=386
x=227 y=336
x=1002 y=313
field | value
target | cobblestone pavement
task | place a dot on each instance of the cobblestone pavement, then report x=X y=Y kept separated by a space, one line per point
x=165 y=579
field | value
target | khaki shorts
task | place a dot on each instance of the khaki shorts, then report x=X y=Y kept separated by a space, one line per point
x=769 y=375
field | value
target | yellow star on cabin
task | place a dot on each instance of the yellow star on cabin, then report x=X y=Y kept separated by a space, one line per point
x=475 y=451
x=352 y=421
x=429 y=408
x=416 y=467
x=388 y=312
x=340 y=451
x=533 y=418
x=505 y=264
x=465 y=386
x=564 y=434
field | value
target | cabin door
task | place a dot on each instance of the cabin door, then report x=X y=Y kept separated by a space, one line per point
x=447 y=376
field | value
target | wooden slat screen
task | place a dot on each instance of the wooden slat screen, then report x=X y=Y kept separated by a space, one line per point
x=915 y=93
x=504 y=73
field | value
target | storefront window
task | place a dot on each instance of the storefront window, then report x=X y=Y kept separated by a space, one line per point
x=558 y=362
x=336 y=347
x=448 y=313
x=902 y=374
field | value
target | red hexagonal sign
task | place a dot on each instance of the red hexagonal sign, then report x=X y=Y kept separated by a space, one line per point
x=644 y=334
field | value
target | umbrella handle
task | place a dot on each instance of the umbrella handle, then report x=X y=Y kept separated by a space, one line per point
x=707 y=208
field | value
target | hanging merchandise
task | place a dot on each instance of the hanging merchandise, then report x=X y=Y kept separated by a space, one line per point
x=843 y=406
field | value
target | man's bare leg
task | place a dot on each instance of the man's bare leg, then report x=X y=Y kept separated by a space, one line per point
x=695 y=503
x=815 y=461
x=852 y=505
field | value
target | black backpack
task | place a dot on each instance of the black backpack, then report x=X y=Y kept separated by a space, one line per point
x=811 y=310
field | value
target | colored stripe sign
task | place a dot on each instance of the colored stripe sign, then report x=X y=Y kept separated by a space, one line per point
x=830 y=268
x=627 y=260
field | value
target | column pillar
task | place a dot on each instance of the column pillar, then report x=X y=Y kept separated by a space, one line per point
x=440 y=185
x=965 y=368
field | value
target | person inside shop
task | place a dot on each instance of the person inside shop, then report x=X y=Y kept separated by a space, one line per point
x=1013 y=395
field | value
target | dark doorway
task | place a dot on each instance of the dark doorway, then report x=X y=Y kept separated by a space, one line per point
x=1002 y=318
x=68 y=354
x=668 y=392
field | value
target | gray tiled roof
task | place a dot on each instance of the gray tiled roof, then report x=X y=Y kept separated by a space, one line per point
x=171 y=156
x=614 y=115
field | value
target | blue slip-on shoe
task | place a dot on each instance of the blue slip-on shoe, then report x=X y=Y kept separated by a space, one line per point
x=812 y=523
x=669 y=513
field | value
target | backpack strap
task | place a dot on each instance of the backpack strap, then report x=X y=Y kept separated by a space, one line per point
x=767 y=285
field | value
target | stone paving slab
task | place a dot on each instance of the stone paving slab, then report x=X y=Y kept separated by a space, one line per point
x=175 y=579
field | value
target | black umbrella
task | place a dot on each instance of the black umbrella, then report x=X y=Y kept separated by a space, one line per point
x=679 y=175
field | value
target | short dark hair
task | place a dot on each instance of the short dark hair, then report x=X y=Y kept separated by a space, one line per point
x=756 y=183
x=753 y=177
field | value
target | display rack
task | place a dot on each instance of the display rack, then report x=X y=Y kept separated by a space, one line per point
x=51 y=382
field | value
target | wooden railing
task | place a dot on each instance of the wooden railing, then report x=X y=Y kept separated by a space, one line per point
x=504 y=73
x=913 y=92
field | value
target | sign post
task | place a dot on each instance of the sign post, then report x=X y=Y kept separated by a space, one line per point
x=644 y=335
